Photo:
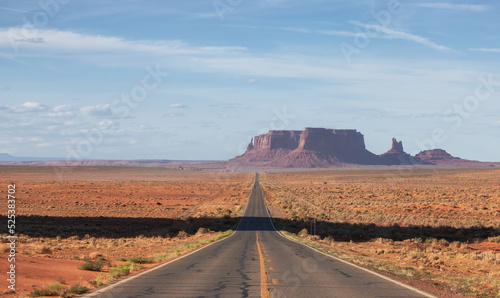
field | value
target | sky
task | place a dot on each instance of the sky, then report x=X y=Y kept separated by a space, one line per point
x=196 y=80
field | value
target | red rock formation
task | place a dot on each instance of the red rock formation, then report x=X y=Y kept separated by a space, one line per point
x=277 y=139
x=271 y=146
x=434 y=156
x=396 y=155
x=313 y=147
x=321 y=147
x=397 y=146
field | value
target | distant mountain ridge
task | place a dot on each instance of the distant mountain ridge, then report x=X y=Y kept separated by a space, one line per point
x=8 y=157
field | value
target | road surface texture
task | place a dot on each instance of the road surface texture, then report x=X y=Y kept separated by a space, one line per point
x=256 y=261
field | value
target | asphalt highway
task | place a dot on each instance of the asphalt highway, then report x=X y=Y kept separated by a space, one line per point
x=256 y=261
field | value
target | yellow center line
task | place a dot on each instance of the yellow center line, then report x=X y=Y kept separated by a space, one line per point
x=264 y=290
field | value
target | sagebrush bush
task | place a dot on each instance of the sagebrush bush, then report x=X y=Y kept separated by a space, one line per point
x=303 y=233
x=140 y=260
x=93 y=265
x=78 y=289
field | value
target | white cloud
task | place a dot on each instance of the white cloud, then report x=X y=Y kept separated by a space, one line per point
x=178 y=106
x=490 y=50
x=67 y=41
x=252 y=81
x=27 y=107
x=97 y=110
x=445 y=5
x=61 y=111
x=62 y=108
x=30 y=107
x=61 y=114
x=394 y=34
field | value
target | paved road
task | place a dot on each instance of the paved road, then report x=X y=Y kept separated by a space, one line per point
x=256 y=262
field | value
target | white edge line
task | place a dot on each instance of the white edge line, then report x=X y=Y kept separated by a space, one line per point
x=129 y=278
x=352 y=264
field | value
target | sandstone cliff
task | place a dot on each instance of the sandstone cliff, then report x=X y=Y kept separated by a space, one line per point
x=435 y=155
x=321 y=147
x=312 y=147
x=396 y=155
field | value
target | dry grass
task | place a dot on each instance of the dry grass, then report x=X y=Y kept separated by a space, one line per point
x=439 y=226
x=113 y=214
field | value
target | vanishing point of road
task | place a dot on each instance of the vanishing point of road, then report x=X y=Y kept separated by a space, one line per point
x=256 y=261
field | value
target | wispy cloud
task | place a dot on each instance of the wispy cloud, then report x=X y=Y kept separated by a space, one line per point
x=452 y=6
x=97 y=110
x=491 y=50
x=3 y=87
x=387 y=33
x=68 y=41
x=27 y=107
x=292 y=29
x=62 y=108
x=342 y=33
x=13 y=9
x=394 y=34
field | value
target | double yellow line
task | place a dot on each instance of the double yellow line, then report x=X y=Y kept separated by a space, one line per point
x=264 y=290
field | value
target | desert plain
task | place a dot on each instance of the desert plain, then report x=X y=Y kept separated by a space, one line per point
x=84 y=227
x=114 y=220
x=438 y=229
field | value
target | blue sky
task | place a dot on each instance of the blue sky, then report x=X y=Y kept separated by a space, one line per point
x=197 y=79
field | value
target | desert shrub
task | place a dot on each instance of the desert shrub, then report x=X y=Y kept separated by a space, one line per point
x=119 y=271
x=43 y=292
x=444 y=242
x=431 y=240
x=96 y=282
x=182 y=234
x=56 y=287
x=226 y=213
x=92 y=265
x=329 y=239
x=303 y=233
x=96 y=255
x=45 y=250
x=417 y=240
x=123 y=270
x=202 y=231
x=140 y=260
x=78 y=289
x=494 y=239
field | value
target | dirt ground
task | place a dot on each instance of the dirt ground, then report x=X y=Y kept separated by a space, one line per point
x=438 y=226
x=68 y=216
